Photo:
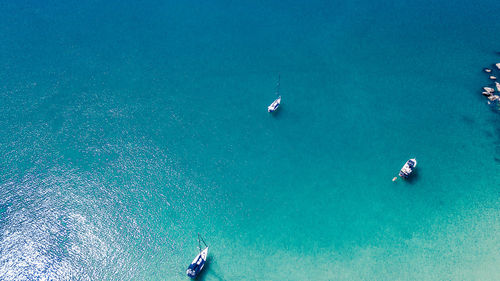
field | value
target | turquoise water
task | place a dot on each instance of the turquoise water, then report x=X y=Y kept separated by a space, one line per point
x=126 y=128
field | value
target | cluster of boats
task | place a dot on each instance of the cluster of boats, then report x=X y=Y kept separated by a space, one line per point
x=489 y=92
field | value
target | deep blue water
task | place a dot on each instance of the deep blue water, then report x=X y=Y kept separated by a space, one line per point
x=126 y=128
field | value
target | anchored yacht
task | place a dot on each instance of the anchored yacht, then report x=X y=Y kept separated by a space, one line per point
x=199 y=261
x=276 y=103
x=408 y=168
x=274 y=106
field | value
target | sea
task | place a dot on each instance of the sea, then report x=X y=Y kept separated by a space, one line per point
x=128 y=127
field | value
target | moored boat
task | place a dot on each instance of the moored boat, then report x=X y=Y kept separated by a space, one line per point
x=199 y=261
x=408 y=168
x=274 y=106
x=276 y=103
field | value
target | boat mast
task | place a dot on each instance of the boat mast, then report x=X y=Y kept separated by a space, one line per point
x=199 y=243
x=278 y=85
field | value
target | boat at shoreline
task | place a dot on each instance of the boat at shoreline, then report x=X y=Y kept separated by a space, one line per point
x=199 y=261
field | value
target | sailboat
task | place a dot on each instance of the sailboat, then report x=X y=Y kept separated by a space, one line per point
x=199 y=261
x=276 y=103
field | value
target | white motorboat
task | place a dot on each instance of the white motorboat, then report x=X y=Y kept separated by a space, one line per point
x=408 y=168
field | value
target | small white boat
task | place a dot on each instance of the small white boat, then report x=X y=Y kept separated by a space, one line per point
x=274 y=106
x=276 y=103
x=408 y=168
x=199 y=261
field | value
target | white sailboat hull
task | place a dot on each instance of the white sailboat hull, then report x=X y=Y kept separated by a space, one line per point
x=198 y=263
x=275 y=105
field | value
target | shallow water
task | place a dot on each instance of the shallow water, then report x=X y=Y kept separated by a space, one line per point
x=127 y=128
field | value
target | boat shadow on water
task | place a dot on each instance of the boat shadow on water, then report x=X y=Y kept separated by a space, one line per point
x=207 y=271
x=277 y=114
x=413 y=178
